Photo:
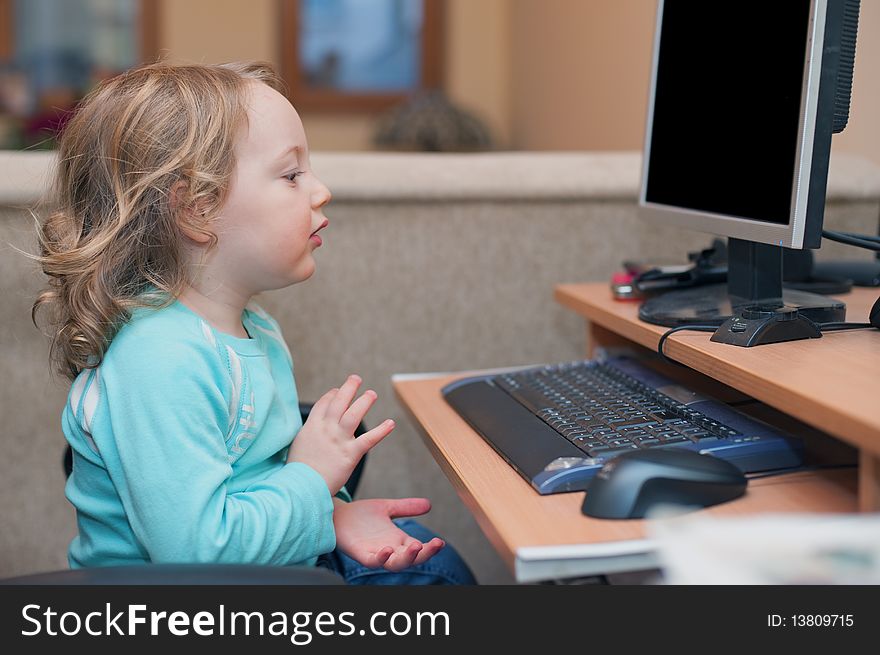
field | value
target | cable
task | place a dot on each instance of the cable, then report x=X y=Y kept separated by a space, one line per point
x=863 y=237
x=813 y=467
x=666 y=335
x=860 y=241
x=824 y=327
x=832 y=327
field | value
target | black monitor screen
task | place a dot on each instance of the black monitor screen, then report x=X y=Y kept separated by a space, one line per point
x=727 y=101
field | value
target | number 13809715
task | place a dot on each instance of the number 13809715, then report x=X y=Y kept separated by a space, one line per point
x=811 y=621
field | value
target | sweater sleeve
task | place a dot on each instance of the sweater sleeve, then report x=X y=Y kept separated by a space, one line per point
x=165 y=414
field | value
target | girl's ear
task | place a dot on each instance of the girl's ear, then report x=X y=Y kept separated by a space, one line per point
x=191 y=222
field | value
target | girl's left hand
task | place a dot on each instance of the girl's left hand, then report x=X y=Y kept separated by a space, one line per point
x=365 y=532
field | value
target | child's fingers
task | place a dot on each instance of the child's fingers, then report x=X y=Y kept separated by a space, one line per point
x=379 y=558
x=429 y=550
x=401 y=507
x=319 y=409
x=343 y=398
x=404 y=556
x=359 y=408
x=369 y=439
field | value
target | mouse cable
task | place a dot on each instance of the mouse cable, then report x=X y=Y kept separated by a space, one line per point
x=832 y=327
x=812 y=467
x=824 y=327
x=857 y=240
x=668 y=333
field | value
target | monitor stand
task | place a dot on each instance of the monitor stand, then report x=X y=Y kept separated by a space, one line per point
x=754 y=281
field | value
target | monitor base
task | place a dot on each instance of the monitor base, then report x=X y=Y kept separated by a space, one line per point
x=711 y=305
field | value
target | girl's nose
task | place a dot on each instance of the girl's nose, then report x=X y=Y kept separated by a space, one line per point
x=321 y=195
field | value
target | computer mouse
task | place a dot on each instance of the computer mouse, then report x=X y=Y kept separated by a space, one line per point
x=874 y=317
x=633 y=483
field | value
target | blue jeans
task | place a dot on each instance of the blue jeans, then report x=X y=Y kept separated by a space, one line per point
x=446 y=567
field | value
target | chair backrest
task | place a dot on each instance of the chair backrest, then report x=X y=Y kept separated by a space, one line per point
x=184 y=574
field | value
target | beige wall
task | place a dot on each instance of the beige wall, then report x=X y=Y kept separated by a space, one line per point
x=478 y=62
x=862 y=134
x=212 y=31
x=543 y=74
x=583 y=67
x=582 y=70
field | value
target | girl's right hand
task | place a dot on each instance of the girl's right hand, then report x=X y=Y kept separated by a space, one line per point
x=326 y=441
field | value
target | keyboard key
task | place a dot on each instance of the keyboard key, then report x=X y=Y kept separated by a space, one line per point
x=586 y=443
x=665 y=415
x=638 y=419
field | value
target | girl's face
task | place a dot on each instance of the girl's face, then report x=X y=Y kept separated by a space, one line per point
x=267 y=229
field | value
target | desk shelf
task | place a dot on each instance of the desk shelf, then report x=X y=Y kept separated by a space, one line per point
x=531 y=532
x=541 y=537
x=832 y=383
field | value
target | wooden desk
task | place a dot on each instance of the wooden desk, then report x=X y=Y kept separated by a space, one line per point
x=828 y=383
x=832 y=383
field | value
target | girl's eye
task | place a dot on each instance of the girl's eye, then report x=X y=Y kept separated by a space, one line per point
x=291 y=177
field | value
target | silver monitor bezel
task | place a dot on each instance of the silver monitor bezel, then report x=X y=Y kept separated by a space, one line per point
x=790 y=235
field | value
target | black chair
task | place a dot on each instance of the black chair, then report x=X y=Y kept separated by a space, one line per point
x=194 y=574
x=184 y=574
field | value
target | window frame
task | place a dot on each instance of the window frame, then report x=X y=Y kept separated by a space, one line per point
x=7 y=44
x=149 y=30
x=305 y=97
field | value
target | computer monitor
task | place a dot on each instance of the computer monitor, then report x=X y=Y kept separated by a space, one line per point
x=744 y=99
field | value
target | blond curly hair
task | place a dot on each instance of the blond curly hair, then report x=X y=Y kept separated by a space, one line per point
x=114 y=239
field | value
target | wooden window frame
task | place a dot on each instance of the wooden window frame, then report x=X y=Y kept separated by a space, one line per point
x=305 y=97
x=7 y=44
x=149 y=29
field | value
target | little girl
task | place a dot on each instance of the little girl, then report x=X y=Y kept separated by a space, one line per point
x=183 y=191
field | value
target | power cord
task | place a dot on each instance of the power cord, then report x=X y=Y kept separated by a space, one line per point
x=833 y=327
x=668 y=333
x=858 y=240
x=812 y=467
x=824 y=327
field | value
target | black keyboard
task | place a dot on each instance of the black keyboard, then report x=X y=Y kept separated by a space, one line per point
x=557 y=425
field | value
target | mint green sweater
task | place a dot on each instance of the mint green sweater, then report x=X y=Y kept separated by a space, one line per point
x=179 y=444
